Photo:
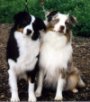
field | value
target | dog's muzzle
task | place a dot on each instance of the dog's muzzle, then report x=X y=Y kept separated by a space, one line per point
x=61 y=30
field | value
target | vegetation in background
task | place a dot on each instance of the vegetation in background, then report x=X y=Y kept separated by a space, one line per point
x=78 y=8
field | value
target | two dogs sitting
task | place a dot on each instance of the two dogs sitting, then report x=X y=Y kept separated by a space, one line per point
x=51 y=40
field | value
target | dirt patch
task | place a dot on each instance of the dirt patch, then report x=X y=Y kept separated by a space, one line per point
x=81 y=60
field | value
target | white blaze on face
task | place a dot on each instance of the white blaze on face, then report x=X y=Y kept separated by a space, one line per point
x=30 y=27
x=62 y=19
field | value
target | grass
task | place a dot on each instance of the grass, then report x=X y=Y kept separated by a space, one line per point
x=8 y=8
x=78 y=8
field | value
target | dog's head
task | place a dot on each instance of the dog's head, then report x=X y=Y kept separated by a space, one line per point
x=60 y=22
x=28 y=25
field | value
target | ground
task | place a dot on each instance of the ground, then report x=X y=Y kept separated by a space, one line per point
x=81 y=60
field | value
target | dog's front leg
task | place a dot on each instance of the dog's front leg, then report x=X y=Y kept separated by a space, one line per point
x=13 y=86
x=40 y=84
x=31 y=93
x=60 y=85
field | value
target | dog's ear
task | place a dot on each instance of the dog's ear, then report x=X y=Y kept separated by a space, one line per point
x=39 y=25
x=22 y=19
x=18 y=17
x=47 y=13
x=51 y=15
x=72 y=20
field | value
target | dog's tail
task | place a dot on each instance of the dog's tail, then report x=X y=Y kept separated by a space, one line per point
x=81 y=83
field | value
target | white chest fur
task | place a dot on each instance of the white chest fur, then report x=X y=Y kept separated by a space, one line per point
x=27 y=46
x=28 y=50
x=55 y=53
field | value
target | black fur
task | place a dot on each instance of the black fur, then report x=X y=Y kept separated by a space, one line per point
x=37 y=26
x=32 y=74
x=12 y=47
x=21 y=20
x=51 y=15
x=29 y=31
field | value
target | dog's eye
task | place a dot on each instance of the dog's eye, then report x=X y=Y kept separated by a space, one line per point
x=67 y=22
x=53 y=22
x=29 y=31
x=57 y=20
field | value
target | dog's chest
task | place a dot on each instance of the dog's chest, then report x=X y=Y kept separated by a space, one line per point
x=54 y=56
x=54 y=40
x=27 y=46
x=55 y=52
x=28 y=52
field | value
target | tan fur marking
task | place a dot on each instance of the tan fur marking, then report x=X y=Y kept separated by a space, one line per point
x=20 y=30
x=68 y=35
x=72 y=78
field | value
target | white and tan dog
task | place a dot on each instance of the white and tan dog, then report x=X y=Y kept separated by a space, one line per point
x=56 y=68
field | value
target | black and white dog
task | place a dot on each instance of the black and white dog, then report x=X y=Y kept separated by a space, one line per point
x=22 y=51
x=56 y=68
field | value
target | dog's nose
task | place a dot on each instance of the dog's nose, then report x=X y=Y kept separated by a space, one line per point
x=29 y=31
x=62 y=28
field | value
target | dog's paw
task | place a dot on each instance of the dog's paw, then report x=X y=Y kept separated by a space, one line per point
x=57 y=98
x=38 y=93
x=15 y=99
x=75 y=90
x=32 y=98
